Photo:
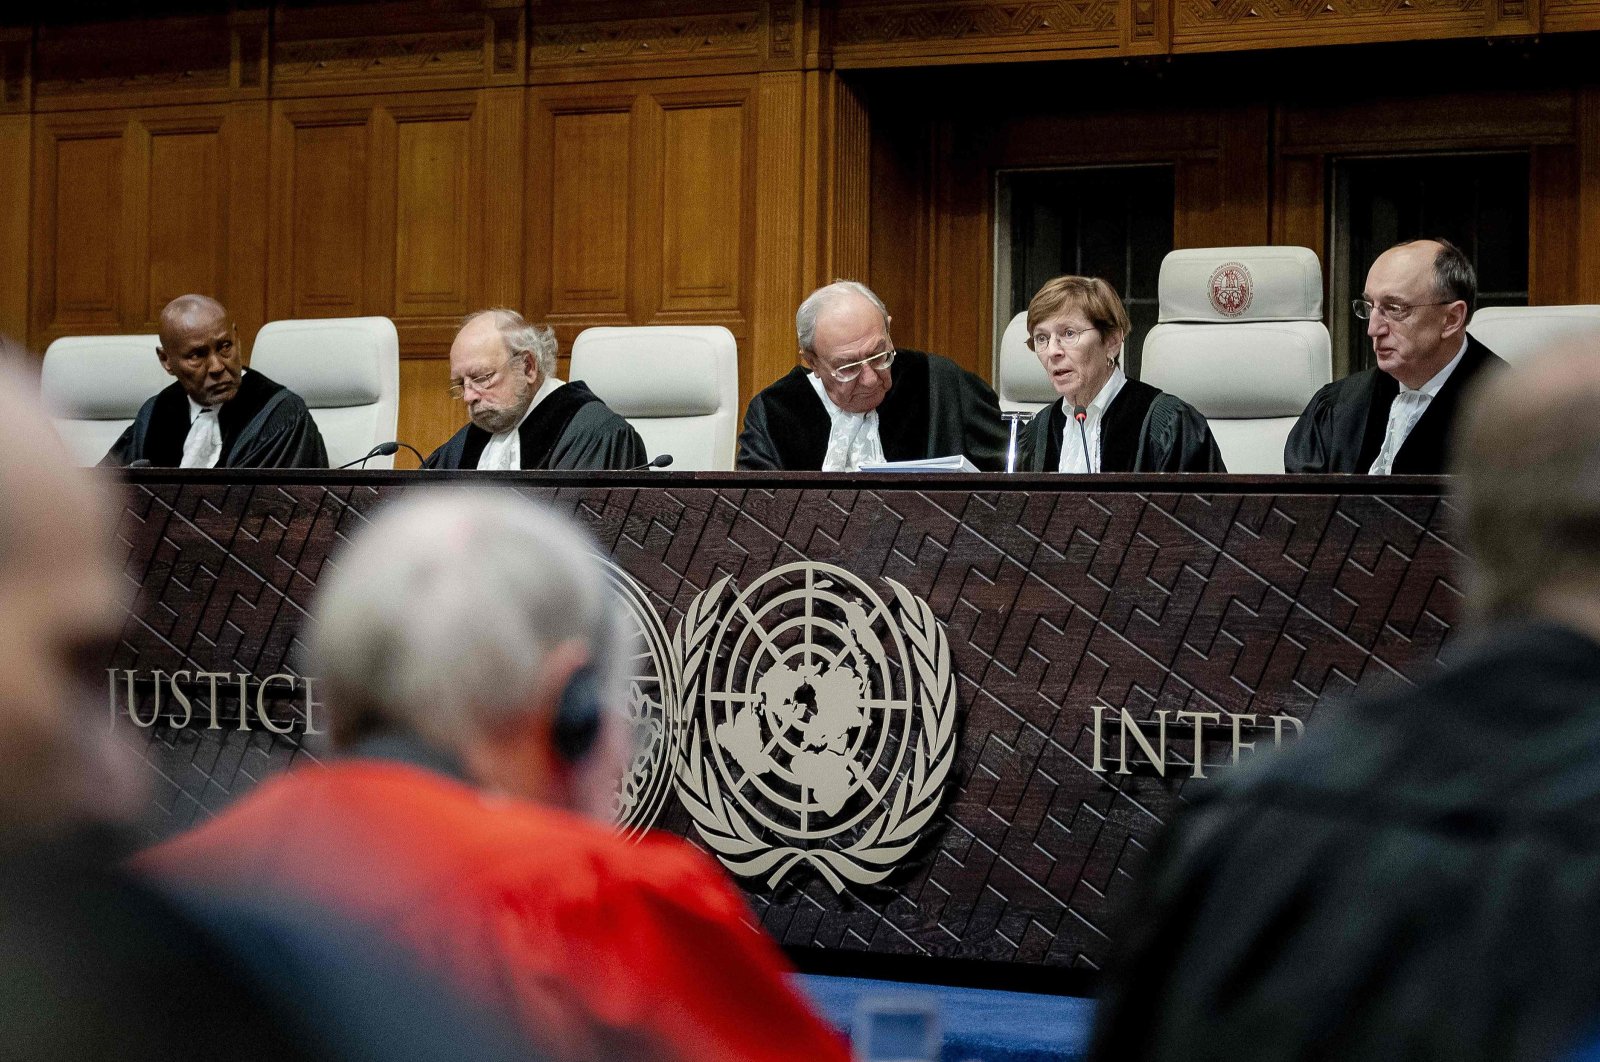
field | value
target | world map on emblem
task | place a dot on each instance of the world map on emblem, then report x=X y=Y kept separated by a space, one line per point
x=807 y=701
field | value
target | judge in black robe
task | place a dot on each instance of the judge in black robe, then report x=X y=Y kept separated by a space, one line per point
x=1076 y=327
x=570 y=429
x=262 y=424
x=934 y=408
x=504 y=369
x=1144 y=429
x=265 y=425
x=1416 y=303
x=1343 y=426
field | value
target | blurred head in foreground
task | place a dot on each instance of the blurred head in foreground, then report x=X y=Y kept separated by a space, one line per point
x=1532 y=503
x=482 y=624
x=1418 y=878
x=58 y=613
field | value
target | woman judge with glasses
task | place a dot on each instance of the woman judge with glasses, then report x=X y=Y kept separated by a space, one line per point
x=1103 y=422
x=856 y=400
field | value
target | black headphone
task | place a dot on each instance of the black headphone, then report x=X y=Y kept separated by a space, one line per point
x=576 y=726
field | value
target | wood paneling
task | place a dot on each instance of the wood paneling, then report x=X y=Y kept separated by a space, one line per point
x=704 y=160
x=16 y=134
x=322 y=206
x=428 y=415
x=709 y=161
x=780 y=206
x=1587 y=288
x=79 y=180
x=590 y=163
x=642 y=204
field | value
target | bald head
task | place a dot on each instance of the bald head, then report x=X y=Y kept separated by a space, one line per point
x=1532 y=496
x=200 y=348
x=57 y=611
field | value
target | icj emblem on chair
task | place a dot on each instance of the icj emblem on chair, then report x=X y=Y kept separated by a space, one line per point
x=1231 y=289
x=822 y=723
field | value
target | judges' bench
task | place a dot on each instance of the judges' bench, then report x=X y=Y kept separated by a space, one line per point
x=933 y=723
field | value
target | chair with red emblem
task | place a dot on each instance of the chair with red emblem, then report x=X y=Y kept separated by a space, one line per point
x=1241 y=338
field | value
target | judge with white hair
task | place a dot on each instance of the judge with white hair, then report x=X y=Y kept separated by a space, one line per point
x=857 y=399
x=521 y=416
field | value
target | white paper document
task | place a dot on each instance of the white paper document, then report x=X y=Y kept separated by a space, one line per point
x=958 y=463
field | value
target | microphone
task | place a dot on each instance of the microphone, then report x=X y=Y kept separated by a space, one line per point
x=383 y=449
x=658 y=461
x=1081 y=414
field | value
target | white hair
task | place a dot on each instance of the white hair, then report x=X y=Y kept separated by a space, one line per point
x=440 y=613
x=805 y=318
x=521 y=337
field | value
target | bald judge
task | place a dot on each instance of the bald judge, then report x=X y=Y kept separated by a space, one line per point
x=1396 y=419
x=855 y=399
x=216 y=413
x=521 y=415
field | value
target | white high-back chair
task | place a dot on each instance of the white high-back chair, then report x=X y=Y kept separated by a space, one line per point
x=1517 y=333
x=94 y=386
x=678 y=385
x=1020 y=381
x=1241 y=339
x=347 y=369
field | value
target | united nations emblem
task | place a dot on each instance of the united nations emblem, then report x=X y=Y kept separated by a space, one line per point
x=1231 y=289
x=654 y=708
x=822 y=723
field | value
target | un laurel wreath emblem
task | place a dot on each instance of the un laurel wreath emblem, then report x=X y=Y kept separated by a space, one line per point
x=821 y=723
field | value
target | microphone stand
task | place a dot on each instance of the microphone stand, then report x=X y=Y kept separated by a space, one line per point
x=1016 y=418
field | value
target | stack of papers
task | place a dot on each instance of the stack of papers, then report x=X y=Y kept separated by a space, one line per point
x=958 y=463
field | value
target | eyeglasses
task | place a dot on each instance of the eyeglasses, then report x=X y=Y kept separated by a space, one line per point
x=1390 y=311
x=1067 y=337
x=877 y=363
x=484 y=380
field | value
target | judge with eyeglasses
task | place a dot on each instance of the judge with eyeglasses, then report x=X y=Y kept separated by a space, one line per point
x=855 y=399
x=1103 y=421
x=1396 y=419
x=520 y=415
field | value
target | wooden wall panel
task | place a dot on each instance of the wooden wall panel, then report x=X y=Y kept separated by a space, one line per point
x=780 y=206
x=428 y=415
x=79 y=181
x=1554 y=231
x=435 y=254
x=16 y=176
x=703 y=192
x=590 y=164
x=320 y=210
x=185 y=224
x=1587 y=272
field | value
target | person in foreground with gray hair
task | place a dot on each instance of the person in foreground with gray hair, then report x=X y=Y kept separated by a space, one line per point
x=855 y=399
x=469 y=648
x=1419 y=878
x=521 y=415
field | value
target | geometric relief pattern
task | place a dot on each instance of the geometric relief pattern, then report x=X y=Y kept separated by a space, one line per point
x=870 y=24
x=1053 y=602
x=1253 y=14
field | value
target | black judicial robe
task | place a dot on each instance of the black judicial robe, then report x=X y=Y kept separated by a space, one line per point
x=1143 y=430
x=934 y=408
x=1342 y=428
x=570 y=430
x=264 y=425
x=1417 y=879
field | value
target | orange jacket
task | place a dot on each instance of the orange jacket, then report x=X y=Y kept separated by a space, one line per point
x=598 y=946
